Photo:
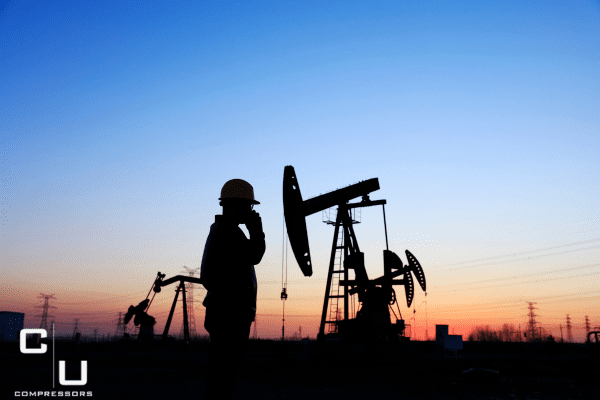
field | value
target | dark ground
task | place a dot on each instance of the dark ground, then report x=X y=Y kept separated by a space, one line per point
x=413 y=371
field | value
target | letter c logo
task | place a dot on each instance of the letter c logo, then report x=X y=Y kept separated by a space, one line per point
x=23 y=341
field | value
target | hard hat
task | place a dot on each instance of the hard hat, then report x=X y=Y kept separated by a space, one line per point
x=238 y=189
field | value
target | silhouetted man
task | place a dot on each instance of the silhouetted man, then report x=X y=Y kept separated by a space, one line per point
x=227 y=273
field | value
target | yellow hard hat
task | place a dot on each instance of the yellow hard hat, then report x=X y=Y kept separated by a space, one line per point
x=238 y=189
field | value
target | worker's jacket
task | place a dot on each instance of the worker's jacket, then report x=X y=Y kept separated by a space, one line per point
x=227 y=270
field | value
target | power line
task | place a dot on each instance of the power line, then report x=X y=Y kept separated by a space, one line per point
x=573 y=299
x=522 y=259
x=496 y=305
x=110 y=300
x=514 y=302
x=526 y=275
x=520 y=283
x=564 y=295
x=518 y=254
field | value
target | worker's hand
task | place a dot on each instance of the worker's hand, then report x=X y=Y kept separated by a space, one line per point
x=253 y=222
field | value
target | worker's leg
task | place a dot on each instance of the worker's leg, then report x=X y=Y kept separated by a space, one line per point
x=228 y=340
x=241 y=342
x=216 y=384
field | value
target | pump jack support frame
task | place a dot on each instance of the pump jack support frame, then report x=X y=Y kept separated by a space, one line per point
x=181 y=279
x=349 y=247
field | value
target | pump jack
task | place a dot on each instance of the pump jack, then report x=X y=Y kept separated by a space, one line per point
x=372 y=321
x=158 y=284
x=140 y=312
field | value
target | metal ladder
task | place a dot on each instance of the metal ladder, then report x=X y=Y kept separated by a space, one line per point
x=334 y=292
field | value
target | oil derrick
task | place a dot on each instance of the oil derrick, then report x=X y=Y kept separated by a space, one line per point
x=531 y=323
x=587 y=325
x=254 y=334
x=95 y=335
x=569 y=332
x=189 y=288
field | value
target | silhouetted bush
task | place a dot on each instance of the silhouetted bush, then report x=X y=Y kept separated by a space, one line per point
x=485 y=333
x=507 y=333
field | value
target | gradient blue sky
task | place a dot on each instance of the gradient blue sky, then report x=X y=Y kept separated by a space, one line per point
x=120 y=122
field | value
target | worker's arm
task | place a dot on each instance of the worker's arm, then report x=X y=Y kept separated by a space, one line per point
x=227 y=247
x=255 y=246
x=207 y=269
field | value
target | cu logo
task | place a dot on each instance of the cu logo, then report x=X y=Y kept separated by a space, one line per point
x=61 y=364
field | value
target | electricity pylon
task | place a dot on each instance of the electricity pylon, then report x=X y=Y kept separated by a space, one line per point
x=76 y=328
x=587 y=324
x=532 y=321
x=44 y=316
x=121 y=327
x=569 y=332
x=46 y=306
x=562 y=339
x=189 y=293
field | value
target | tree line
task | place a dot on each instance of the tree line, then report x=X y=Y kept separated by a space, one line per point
x=507 y=333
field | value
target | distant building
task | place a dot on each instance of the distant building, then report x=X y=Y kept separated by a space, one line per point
x=441 y=332
x=11 y=324
x=450 y=345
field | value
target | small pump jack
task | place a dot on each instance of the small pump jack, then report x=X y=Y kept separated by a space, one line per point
x=145 y=321
x=158 y=284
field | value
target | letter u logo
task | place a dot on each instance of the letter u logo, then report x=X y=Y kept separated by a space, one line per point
x=64 y=382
